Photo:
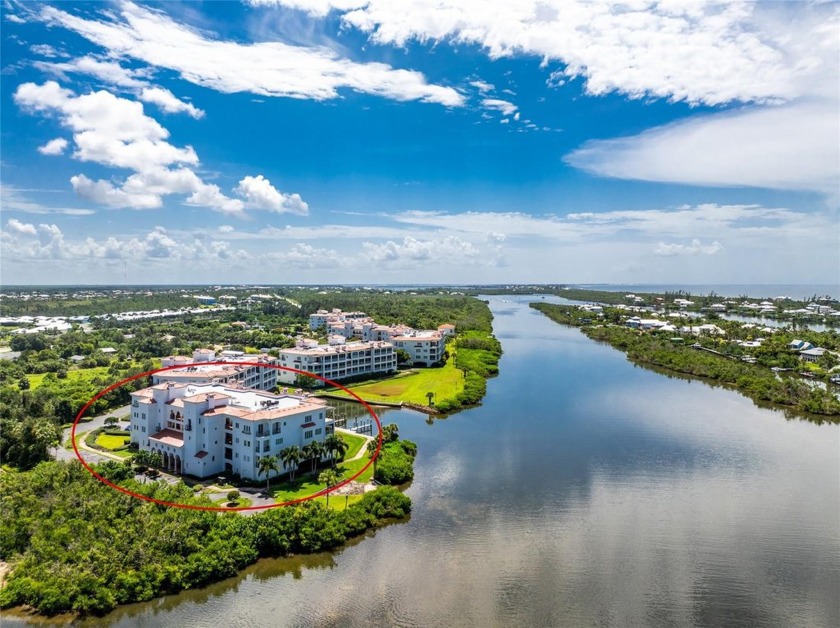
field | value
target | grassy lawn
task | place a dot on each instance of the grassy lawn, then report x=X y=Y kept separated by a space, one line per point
x=35 y=380
x=339 y=502
x=85 y=375
x=111 y=442
x=305 y=485
x=69 y=444
x=242 y=502
x=354 y=442
x=446 y=382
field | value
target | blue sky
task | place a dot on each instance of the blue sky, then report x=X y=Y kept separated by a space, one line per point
x=384 y=141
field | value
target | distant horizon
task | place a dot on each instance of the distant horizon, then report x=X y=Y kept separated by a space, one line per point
x=797 y=291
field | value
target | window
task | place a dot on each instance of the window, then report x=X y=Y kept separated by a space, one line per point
x=266 y=446
x=247 y=443
x=279 y=441
x=237 y=441
x=307 y=434
x=318 y=430
x=144 y=429
x=275 y=429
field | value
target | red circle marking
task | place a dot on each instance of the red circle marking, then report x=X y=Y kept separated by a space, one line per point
x=161 y=502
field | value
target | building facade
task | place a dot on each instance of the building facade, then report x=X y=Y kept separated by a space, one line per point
x=424 y=348
x=340 y=361
x=210 y=429
x=197 y=371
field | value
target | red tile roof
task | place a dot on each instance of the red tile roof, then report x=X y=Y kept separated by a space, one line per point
x=169 y=437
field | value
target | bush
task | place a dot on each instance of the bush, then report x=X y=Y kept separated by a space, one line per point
x=396 y=463
x=232 y=496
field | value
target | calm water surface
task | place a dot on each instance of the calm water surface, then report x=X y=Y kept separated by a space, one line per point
x=584 y=491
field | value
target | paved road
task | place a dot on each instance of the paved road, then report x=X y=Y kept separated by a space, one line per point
x=83 y=428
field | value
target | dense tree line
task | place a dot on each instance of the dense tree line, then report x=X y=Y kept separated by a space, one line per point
x=418 y=311
x=756 y=381
x=76 y=545
x=31 y=419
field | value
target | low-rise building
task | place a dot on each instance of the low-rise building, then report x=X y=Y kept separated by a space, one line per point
x=205 y=368
x=812 y=355
x=209 y=429
x=424 y=348
x=339 y=361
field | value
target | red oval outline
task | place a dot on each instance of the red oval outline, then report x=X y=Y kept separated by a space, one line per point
x=161 y=502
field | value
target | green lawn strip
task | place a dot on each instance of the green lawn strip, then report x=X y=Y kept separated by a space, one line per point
x=339 y=502
x=354 y=442
x=446 y=382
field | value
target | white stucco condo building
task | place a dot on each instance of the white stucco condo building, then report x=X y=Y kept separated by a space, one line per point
x=254 y=374
x=340 y=361
x=424 y=348
x=210 y=429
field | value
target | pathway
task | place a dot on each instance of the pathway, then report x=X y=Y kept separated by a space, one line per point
x=91 y=456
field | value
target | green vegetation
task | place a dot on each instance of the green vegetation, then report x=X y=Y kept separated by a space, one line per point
x=446 y=381
x=113 y=441
x=57 y=373
x=755 y=381
x=306 y=485
x=461 y=381
x=395 y=464
x=75 y=545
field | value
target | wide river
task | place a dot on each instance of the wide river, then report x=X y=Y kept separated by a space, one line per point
x=583 y=491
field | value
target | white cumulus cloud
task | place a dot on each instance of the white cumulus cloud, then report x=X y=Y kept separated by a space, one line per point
x=114 y=131
x=260 y=194
x=53 y=147
x=17 y=226
x=167 y=101
x=505 y=107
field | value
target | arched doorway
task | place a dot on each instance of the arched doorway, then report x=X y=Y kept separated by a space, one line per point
x=177 y=465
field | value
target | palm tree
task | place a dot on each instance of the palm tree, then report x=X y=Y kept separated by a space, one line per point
x=336 y=446
x=313 y=452
x=390 y=432
x=266 y=465
x=371 y=450
x=291 y=456
x=330 y=478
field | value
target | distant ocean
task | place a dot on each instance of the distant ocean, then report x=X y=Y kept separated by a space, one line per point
x=794 y=291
